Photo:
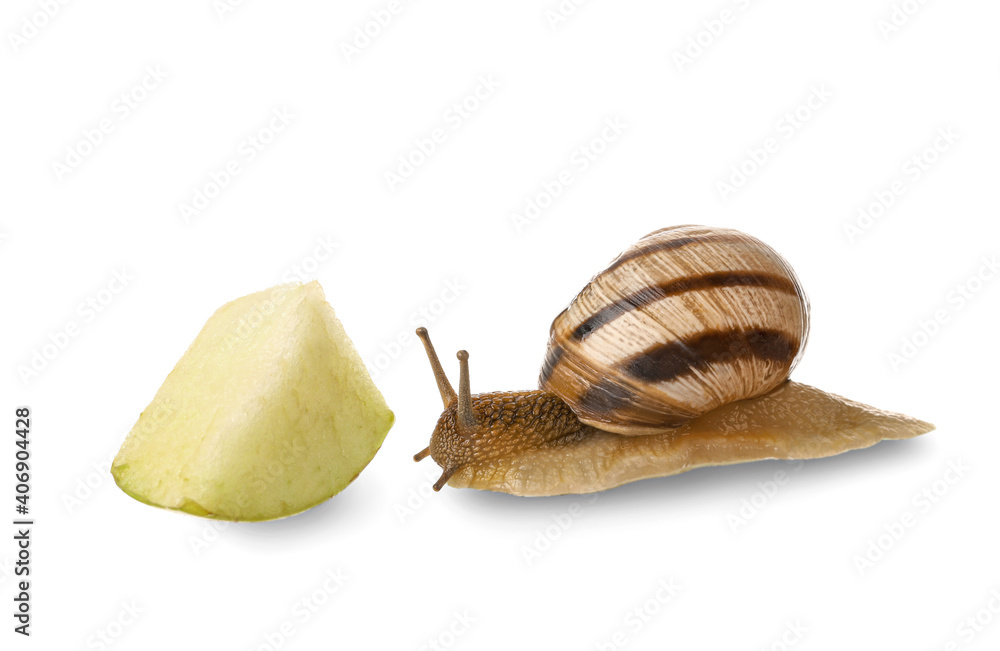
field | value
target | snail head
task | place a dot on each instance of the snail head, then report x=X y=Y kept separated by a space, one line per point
x=458 y=424
x=488 y=429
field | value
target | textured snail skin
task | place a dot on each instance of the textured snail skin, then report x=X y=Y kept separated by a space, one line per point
x=522 y=451
x=509 y=424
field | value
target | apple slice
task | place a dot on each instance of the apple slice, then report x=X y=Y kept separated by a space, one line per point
x=269 y=412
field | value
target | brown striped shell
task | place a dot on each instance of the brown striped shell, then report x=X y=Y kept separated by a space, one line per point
x=686 y=320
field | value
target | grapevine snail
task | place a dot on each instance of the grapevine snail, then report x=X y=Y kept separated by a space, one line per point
x=676 y=356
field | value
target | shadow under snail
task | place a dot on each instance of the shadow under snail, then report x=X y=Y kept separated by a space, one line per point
x=676 y=356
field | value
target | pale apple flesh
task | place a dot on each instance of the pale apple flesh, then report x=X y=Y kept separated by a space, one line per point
x=269 y=412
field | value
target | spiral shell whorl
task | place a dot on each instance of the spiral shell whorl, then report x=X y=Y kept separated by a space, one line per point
x=687 y=319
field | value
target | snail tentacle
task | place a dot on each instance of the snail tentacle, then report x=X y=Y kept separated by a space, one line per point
x=444 y=386
x=445 y=476
x=466 y=419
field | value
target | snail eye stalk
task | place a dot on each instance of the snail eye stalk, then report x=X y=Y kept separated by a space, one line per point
x=444 y=386
x=466 y=419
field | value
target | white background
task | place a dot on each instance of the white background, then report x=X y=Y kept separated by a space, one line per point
x=563 y=572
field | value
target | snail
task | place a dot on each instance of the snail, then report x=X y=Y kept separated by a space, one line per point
x=676 y=356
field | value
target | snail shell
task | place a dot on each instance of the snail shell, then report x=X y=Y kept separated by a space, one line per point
x=686 y=320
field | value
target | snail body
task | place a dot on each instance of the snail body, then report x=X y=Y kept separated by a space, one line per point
x=674 y=357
